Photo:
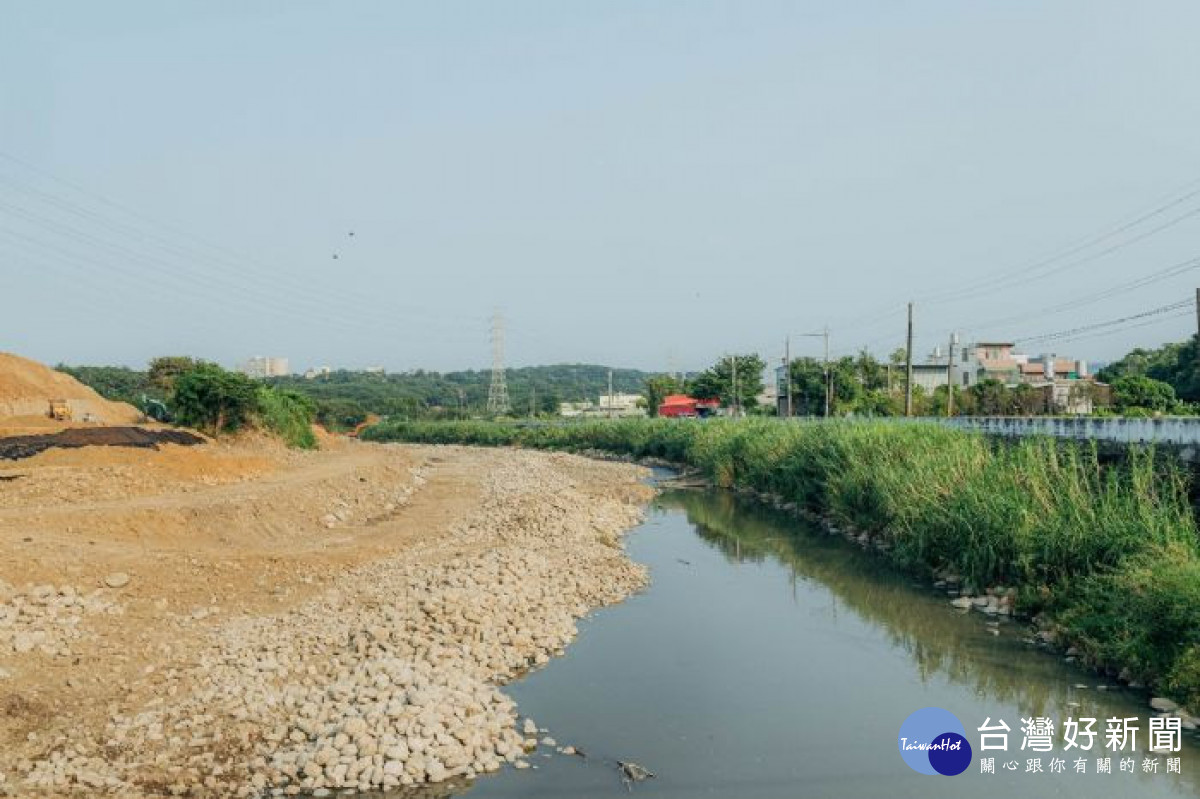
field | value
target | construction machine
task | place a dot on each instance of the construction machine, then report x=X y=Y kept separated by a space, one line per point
x=60 y=410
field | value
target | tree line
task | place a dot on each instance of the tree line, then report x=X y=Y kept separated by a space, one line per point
x=344 y=399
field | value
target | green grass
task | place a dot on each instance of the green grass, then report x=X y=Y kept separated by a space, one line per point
x=288 y=415
x=1108 y=553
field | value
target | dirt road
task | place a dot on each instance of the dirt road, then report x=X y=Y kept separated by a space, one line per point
x=232 y=619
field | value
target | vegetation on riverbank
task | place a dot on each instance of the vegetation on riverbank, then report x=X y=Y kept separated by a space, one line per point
x=1108 y=554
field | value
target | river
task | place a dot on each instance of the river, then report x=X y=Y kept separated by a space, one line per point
x=768 y=659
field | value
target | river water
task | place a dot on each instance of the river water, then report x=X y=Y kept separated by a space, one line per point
x=769 y=660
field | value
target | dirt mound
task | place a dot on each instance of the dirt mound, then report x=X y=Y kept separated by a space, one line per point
x=17 y=447
x=26 y=388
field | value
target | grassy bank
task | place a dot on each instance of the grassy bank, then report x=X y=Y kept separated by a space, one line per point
x=1108 y=554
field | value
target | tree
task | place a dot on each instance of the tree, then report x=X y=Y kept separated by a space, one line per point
x=1136 y=391
x=211 y=399
x=658 y=388
x=340 y=414
x=878 y=402
x=1177 y=364
x=117 y=383
x=808 y=387
x=164 y=371
x=871 y=373
x=716 y=382
x=990 y=397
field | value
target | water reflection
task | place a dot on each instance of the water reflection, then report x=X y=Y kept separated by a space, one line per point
x=942 y=641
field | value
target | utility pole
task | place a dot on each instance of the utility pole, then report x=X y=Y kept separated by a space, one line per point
x=828 y=376
x=733 y=408
x=610 y=394
x=950 y=376
x=787 y=372
x=1198 y=321
x=908 y=366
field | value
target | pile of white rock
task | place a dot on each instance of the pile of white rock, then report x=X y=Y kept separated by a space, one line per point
x=45 y=619
x=390 y=679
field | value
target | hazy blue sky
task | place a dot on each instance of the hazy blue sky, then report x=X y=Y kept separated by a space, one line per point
x=648 y=184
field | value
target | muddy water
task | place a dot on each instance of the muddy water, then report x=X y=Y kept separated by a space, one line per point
x=770 y=660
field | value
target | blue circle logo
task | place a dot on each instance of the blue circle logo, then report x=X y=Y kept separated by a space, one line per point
x=934 y=741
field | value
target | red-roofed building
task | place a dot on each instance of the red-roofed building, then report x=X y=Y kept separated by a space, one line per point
x=681 y=405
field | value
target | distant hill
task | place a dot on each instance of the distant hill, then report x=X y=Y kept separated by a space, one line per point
x=412 y=393
x=407 y=392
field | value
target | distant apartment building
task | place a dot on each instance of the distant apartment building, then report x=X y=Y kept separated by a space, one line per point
x=375 y=370
x=261 y=367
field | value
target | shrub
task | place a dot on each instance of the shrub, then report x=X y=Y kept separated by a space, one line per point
x=289 y=415
x=213 y=400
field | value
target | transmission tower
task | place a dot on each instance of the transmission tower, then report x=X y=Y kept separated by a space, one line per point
x=498 y=392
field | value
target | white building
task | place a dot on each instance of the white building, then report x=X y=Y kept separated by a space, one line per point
x=616 y=405
x=261 y=366
x=319 y=371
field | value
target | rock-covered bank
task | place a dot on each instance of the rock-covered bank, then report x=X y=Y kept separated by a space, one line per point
x=391 y=676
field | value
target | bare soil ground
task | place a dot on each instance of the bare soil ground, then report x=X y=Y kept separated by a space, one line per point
x=118 y=565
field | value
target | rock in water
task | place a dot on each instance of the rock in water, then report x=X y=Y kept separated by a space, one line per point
x=634 y=772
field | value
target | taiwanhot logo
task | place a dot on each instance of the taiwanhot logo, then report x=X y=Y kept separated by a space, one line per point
x=934 y=741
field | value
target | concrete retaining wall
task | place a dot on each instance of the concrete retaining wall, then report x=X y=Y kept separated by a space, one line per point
x=1183 y=433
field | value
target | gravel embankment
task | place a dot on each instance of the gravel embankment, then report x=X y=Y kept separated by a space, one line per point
x=391 y=677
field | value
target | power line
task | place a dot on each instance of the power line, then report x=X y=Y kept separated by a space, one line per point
x=1175 y=199
x=1155 y=277
x=1061 y=334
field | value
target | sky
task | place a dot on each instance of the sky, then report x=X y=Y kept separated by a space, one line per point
x=643 y=184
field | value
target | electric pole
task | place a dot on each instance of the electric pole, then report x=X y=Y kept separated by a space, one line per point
x=610 y=394
x=828 y=376
x=908 y=366
x=733 y=367
x=787 y=372
x=950 y=376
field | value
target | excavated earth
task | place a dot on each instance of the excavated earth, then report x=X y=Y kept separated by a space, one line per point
x=243 y=620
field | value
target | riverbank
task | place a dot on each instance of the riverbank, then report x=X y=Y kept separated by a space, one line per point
x=298 y=622
x=1105 y=558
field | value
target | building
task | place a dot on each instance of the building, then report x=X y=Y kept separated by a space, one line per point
x=318 y=371
x=623 y=405
x=676 y=406
x=260 y=367
x=1051 y=367
x=929 y=376
x=1064 y=384
x=988 y=360
x=375 y=370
